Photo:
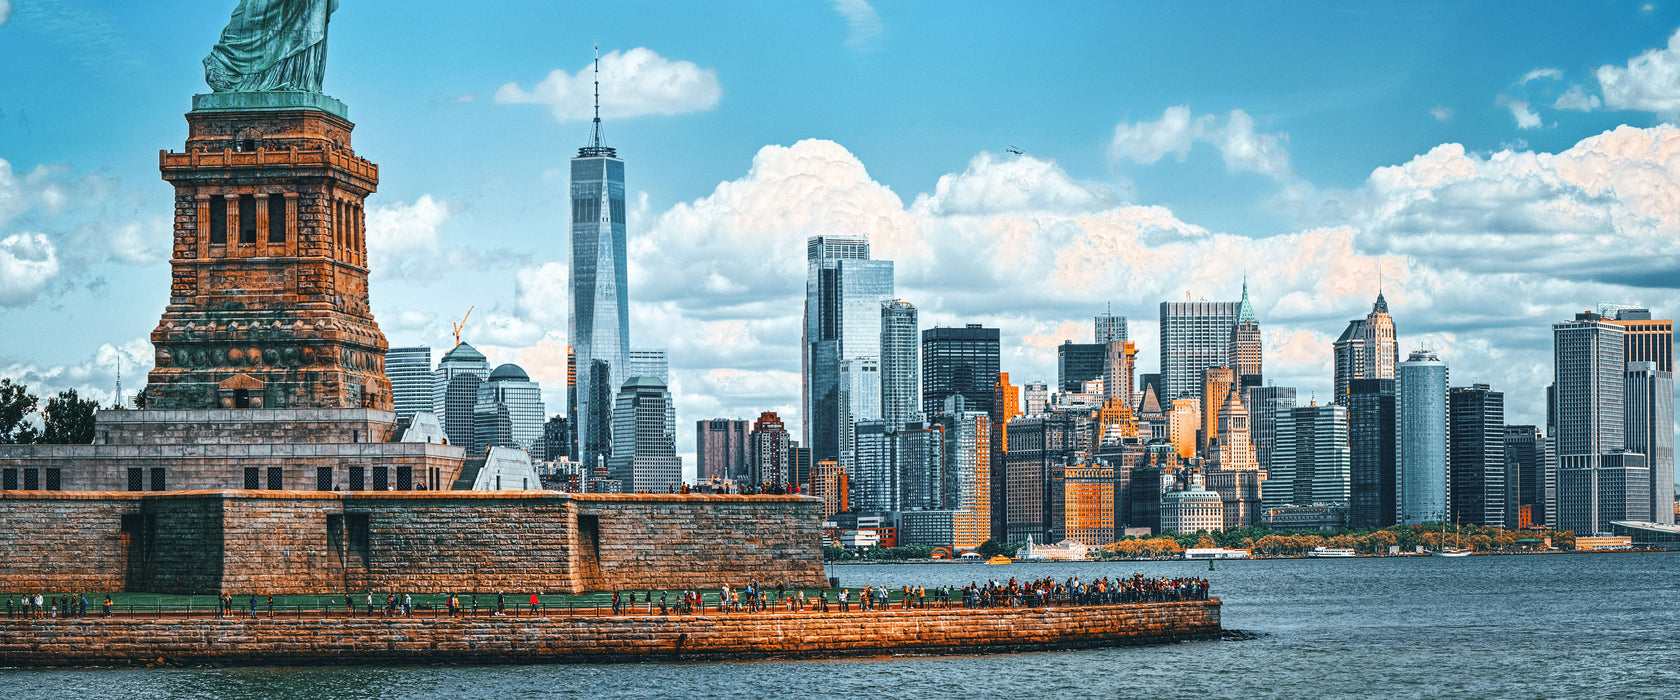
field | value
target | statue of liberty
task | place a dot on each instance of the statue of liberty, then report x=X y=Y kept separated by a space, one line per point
x=271 y=45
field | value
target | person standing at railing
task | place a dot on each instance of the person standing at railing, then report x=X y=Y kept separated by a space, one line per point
x=253 y=605
x=107 y=606
x=271 y=606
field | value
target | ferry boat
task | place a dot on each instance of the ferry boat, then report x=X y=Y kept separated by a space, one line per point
x=1327 y=552
x=1000 y=559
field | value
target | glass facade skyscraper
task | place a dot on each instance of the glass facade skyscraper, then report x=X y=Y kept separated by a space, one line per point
x=901 y=383
x=1421 y=413
x=1476 y=457
x=410 y=372
x=455 y=392
x=644 y=450
x=844 y=291
x=509 y=412
x=1371 y=426
x=599 y=315
x=959 y=361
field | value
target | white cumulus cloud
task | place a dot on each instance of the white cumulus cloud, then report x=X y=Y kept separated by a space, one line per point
x=1650 y=82
x=633 y=83
x=1526 y=118
x=1577 y=98
x=28 y=261
x=1441 y=113
x=403 y=238
x=1243 y=148
x=5 y=12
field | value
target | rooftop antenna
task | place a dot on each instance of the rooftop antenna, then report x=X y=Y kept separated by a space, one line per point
x=118 y=401
x=595 y=138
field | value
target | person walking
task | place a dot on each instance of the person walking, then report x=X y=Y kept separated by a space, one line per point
x=107 y=606
x=533 y=605
x=253 y=605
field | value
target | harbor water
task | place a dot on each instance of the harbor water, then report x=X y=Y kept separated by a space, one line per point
x=1599 y=625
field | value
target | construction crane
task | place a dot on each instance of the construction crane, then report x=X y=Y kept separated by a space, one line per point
x=462 y=324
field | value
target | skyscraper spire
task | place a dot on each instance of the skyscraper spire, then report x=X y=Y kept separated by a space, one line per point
x=1245 y=312
x=595 y=137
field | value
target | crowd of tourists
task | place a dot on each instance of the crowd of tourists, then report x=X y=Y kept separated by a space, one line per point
x=753 y=597
x=36 y=606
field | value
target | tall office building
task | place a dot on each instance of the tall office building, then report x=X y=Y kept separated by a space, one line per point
x=1265 y=404
x=720 y=448
x=1648 y=418
x=570 y=440
x=650 y=362
x=860 y=400
x=509 y=413
x=455 y=392
x=1110 y=329
x=1367 y=349
x=1195 y=335
x=1649 y=340
x=898 y=469
x=844 y=291
x=1006 y=405
x=644 y=450
x=901 y=383
x=1595 y=473
x=799 y=465
x=1530 y=484
x=1087 y=504
x=959 y=361
x=1119 y=371
x=1216 y=389
x=1233 y=472
x=410 y=372
x=967 y=479
x=1371 y=433
x=1245 y=358
x=1476 y=455
x=1421 y=430
x=1312 y=463
x=598 y=315
x=768 y=446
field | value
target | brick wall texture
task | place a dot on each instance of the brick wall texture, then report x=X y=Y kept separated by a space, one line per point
x=585 y=638
x=313 y=542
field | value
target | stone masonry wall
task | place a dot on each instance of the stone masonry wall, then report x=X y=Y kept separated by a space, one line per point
x=63 y=541
x=462 y=540
x=659 y=541
x=279 y=545
x=294 y=542
x=628 y=638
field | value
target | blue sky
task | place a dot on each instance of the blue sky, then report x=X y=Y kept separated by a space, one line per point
x=1168 y=150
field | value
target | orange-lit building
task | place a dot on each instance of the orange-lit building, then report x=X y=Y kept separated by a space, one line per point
x=1216 y=386
x=1088 y=505
x=1184 y=420
x=831 y=485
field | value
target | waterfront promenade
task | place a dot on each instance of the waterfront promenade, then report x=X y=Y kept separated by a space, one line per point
x=598 y=636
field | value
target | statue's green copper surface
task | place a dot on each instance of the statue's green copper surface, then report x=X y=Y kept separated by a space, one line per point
x=271 y=45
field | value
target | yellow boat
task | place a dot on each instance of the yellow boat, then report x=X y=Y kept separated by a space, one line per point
x=1000 y=559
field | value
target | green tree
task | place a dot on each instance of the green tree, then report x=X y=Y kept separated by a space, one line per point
x=68 y=419
x=990 y=548
x=16 y=405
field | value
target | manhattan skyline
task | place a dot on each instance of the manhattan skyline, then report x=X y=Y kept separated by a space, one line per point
x=1469 y=177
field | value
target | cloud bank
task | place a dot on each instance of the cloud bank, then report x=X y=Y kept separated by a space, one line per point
x=633 y=83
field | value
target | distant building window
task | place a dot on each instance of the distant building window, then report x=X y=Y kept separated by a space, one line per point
x=356 y=482
x=323 y=478
x=276 y=218
x=157 y=479
x=381 y=478
x=218 y=221
x=9 y=481
x=31 y=479
x=136 y=479
x=405 y=478
x=55 y=479
x=276 y=479
x=253 y=478
x=247 y=219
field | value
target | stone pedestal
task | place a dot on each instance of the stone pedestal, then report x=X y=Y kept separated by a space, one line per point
x=268 y=305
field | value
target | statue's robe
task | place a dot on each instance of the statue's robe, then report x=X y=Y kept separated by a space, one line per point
x=271 y=45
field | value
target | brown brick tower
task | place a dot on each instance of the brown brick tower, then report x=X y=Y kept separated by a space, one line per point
x=268 y=303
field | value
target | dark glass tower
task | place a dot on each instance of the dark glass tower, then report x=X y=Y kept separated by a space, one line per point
x=1371 y=426
x=1476 y=455
x=599 y=318
x=960 y=361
